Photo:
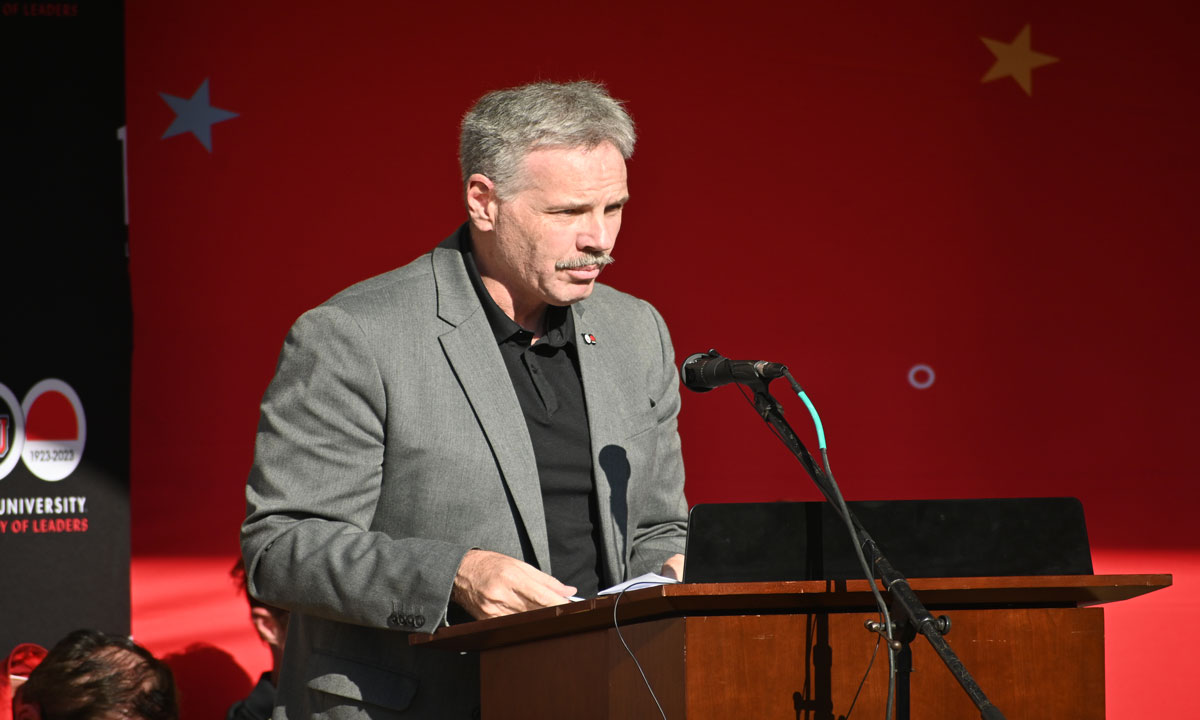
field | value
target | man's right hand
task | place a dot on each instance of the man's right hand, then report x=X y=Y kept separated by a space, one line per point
x=489 y=584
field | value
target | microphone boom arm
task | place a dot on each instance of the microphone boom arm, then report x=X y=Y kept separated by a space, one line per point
x=917 y=617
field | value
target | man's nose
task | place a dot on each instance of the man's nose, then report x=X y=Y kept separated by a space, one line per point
x=598 y=235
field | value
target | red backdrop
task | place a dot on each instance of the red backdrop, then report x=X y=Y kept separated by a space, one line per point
x=829 y=185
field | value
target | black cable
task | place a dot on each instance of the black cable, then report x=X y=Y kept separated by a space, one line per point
x=862 y=561
x=617 y=627
x=861 y=683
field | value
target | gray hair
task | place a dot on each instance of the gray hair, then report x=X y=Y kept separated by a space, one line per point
x=505 y=125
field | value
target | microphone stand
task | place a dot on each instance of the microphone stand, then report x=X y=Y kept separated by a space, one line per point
x=914 y=617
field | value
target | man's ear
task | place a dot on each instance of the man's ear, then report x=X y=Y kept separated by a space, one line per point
x=481 y=202
x=267 y=626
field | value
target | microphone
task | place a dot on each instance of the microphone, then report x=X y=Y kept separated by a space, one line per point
x=704 y=371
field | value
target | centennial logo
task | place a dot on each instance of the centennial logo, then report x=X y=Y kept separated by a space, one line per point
x=47 y=431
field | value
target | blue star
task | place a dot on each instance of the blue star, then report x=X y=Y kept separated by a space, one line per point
x=195 y=115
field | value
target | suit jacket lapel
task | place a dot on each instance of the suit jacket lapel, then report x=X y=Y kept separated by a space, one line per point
x=471 y=349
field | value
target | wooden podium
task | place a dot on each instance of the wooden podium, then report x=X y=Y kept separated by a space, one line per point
x=796 y=650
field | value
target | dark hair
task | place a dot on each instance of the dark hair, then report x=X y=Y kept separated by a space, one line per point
x=90 y=675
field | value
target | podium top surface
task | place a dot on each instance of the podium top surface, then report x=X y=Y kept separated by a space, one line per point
x=783 y=597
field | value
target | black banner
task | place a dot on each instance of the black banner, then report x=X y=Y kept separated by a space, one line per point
x=65 y=344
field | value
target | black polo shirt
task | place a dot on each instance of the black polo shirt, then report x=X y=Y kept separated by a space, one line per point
x=546 y=378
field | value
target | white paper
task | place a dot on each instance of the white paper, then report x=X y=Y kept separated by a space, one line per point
x=641 y=581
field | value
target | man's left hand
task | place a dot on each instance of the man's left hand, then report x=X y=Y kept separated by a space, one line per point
x=673 y=567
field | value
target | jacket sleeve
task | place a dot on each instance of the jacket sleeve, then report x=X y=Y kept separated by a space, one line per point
x=314 y=486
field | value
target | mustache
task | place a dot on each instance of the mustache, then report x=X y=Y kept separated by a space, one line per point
x=599 y=259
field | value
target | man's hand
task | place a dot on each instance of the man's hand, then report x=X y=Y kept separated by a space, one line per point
x=489 y=584
x=673 y=567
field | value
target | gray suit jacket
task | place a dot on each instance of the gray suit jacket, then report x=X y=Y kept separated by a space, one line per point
x=391 y=442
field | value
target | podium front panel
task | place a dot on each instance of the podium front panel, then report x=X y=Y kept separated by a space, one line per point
x=1031 y=662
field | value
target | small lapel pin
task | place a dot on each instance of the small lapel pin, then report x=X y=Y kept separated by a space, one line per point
x=589 y=338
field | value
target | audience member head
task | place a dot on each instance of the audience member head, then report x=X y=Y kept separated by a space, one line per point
x=269 y=622
x=90 y=675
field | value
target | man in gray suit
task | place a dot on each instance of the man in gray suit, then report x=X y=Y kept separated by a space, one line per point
x=483 y=431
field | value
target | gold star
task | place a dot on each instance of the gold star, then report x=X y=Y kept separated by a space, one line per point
x=1016 y=60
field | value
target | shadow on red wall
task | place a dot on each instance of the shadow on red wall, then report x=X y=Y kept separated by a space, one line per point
x=209 y=681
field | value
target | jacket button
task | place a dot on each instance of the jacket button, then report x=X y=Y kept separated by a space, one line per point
x=419 y=621
x=393 y=619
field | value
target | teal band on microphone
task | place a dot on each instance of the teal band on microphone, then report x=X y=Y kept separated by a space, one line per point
x=816 y=419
